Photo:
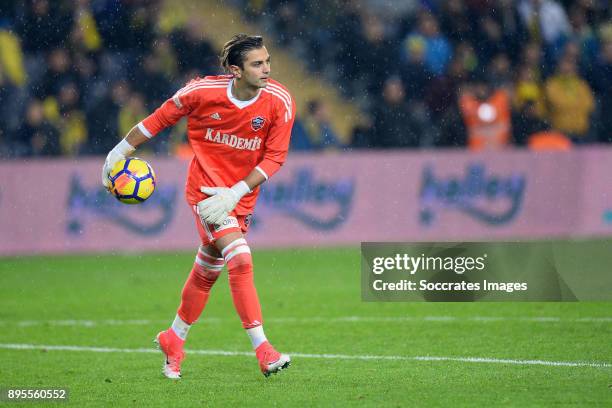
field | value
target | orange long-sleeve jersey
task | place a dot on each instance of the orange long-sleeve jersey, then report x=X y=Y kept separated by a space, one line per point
x=229 y=137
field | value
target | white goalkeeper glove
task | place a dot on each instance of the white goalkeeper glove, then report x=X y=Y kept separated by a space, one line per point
x=222 y=201
x=118 y=153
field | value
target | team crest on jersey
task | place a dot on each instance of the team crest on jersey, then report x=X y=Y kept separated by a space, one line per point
x=258 y=122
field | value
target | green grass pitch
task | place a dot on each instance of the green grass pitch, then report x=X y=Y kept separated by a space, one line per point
x=312 y=307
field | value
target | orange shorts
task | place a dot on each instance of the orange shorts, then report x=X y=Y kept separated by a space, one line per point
x=209 y=233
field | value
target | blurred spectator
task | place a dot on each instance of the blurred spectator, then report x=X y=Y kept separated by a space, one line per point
x=526 y=121
x=321 y=24
x=570 y=101
x=152 y=82
x=499 y=72
x=72 y=121
x=362 y=136
x=10 y=113
x=289 y=22
x=394 y=122
x=85 y=72
x=127 y=25
x=515 y=34
x=464 y=52
x=85 y=35
x=532 y=57
x=318 y=126
x=456 y=20
x=486 y=113
x=72 y=57
x=44 y=25
x=11 y=58
x=166 y=56
x=549 y=140
x=132 y=112
x=528 y=90
x=300 y=140
x=545 y=19
x=583 y=36
x=192 y=50
x=490 y=39
x=441 y=92
x=376 y=56
x=602 y=84
x=103 y=118
x=347 y=36
x=413 y=72
x=37 y=137
x=438 y=51
x=59 y=72
x=452 y=132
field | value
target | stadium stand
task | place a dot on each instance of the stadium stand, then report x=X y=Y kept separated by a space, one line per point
x=366 y=74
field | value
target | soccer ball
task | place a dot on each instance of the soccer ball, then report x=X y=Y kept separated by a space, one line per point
x=132 y=180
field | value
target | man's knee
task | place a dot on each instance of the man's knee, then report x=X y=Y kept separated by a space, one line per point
x=208 y=263
x=237 y=254
x=210 y=250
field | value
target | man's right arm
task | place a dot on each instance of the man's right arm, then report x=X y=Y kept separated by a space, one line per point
x=124 y=148
x=171 y=111
x=135 y=137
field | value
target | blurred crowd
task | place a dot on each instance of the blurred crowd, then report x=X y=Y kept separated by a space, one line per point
x=475 y=73
x=76 y=75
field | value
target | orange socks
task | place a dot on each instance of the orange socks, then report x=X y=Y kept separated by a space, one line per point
x=203 y=276
x=240 y=268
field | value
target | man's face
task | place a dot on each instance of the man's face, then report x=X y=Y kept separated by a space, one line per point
x=256 y=68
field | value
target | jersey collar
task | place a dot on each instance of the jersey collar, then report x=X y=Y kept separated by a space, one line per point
x=240 y=104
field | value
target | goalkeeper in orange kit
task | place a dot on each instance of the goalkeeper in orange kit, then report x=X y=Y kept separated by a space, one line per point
x=238 y=126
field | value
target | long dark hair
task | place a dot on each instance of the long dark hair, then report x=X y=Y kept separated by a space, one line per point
x=235 y=50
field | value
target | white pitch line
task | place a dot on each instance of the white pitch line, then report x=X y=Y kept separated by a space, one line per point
x=317 y=319
x=12 y=346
